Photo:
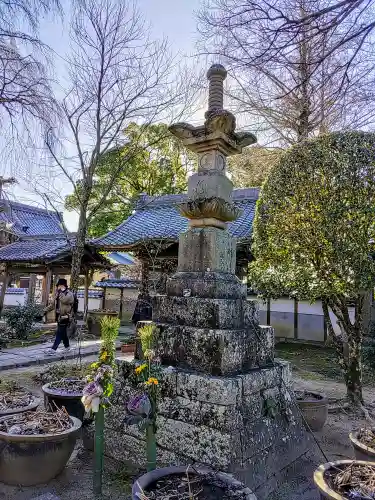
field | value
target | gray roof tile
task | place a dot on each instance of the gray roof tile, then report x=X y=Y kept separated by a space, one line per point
x=27 y=220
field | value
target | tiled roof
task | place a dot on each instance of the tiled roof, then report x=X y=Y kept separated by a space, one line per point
x=121 y=258
x=118 y=283
x=29 y=250
x=26 y=220
x=158 y=218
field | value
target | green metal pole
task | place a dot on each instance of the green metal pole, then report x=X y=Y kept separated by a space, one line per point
x=151 y=448
x=98 y=452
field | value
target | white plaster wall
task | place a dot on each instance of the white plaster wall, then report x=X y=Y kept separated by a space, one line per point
x=15 y=299
x=94 y=303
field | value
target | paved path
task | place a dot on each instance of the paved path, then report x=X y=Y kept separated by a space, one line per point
x=35 y=355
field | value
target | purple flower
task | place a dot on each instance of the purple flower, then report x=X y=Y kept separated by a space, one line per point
x=139 y=405
x=92 y=389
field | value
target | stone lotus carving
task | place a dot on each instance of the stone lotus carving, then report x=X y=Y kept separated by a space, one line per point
x=220 y=120
x=210 y=208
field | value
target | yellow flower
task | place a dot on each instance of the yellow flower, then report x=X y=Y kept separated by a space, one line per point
x=151 y=381
x=140 y=368
x=103 y=356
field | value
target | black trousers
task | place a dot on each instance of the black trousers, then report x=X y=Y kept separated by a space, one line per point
x=61 y=335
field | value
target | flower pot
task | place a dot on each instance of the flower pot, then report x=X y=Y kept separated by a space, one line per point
x=145 y=481
x=35 y=459
x=94 y=318
x=314 y=408
x=12 y=411
x=58 y=398
x=361 y=451
x=128 y=348
x=321 y=475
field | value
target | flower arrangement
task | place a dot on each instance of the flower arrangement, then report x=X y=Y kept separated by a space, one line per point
x=142 y=408
x=100 y=381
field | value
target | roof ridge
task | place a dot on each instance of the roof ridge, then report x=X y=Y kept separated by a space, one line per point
x=30 y=208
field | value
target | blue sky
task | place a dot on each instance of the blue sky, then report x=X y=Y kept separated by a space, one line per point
x=174 y=19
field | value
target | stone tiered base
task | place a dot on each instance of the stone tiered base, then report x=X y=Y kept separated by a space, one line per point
x=246 y=424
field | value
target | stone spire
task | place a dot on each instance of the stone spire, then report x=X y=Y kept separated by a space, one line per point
x=209 y=201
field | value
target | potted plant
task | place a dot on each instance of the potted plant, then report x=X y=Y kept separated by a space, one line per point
x=14 y=399
x=314 y=408
x=128 y=345
x=346 y=479
x=95 y=317
x=363 y=442
x=35 y=446
x=67 y=393
x=189 y=482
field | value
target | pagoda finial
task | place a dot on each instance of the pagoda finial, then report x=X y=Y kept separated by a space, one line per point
x=216 y=76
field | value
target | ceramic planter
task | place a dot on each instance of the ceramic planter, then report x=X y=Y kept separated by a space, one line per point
x=314 y=410
x=321 y=474
x=30 y=460
x=94 y=318
x=71 y=401
x=361 y=451
x=128 y=348
x=143 y=482
x=12 y=411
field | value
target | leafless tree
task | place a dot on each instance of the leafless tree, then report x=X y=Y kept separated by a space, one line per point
x=290 y=72
x=27 y=105
x=117 y=76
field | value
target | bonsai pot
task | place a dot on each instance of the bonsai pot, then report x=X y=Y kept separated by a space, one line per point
x=59 y=398
x=27 y=460
x=314 y=408
x=128 y=348
x=143 y=483
x=361 y=450
x=12 y=411
x=321 y=477
x=94 y=318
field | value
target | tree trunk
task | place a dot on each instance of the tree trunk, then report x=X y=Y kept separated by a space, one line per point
x=353 y=376
x=350 y=362
x=78 y=251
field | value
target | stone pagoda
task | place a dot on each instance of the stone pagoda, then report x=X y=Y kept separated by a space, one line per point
x=225 y=403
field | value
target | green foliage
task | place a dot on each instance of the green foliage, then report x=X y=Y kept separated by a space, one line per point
x=252 y=167
x=368 y=356
x=20 y=319
x=153 y=161
x=314 y=223
x=147 y=337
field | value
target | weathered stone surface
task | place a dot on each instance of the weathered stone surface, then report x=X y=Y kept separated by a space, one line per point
x=224 y=418
x=206 y=250
x=199 y=313
x=202 y=184
x=212 y=285
x=217 y=390
x=217 y=352
x=251 y=314
x=259 y=380
x=201 y=443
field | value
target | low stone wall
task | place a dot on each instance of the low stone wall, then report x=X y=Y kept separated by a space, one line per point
x=247 y=425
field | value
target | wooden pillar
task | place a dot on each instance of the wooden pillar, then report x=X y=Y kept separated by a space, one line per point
x=4 y=284
x=103 y=299
x=47 y=282
x=32 y=285
x=121 y=303
x=295 y=319
x=145 y=277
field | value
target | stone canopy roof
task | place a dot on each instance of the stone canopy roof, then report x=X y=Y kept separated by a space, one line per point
x=157 y=217
x=26 y=220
